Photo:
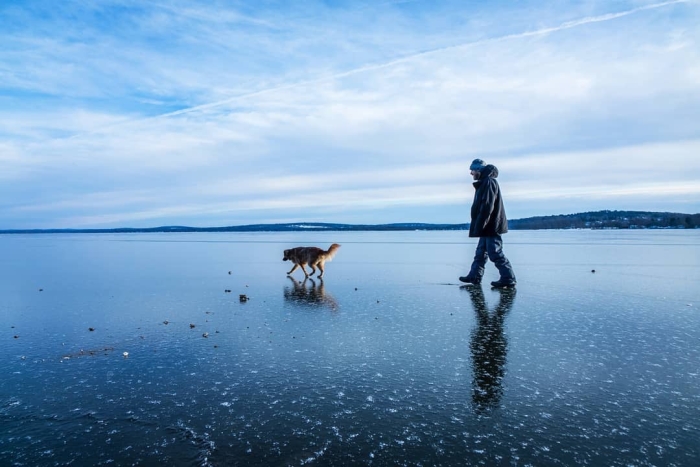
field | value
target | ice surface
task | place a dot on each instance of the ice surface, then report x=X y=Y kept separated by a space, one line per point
x=387 y=361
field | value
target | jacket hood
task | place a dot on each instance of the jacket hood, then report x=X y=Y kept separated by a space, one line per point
x=489 y=171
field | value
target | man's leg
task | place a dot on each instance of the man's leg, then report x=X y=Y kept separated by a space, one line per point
x=477 y=270
x=494 y=249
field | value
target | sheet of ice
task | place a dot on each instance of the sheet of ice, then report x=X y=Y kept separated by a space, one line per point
x=386 y=361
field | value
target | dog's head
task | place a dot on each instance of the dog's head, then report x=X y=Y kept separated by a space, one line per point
x=286 y=255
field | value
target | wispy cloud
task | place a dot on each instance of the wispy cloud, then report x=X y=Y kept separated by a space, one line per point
x=413 y=56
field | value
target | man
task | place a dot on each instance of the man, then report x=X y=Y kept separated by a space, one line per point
x=488 y=224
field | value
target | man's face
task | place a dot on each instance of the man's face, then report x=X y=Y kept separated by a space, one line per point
x=475 y=174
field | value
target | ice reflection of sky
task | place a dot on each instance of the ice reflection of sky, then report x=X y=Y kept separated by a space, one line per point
x=387 y=361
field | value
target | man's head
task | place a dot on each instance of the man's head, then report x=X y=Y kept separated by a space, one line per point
x=476 y=167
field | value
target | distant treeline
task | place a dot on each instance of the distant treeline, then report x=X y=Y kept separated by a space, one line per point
x=584 y=220
x=290 y=227
x=610 y=220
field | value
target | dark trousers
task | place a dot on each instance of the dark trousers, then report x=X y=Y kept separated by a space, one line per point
x=491 y=248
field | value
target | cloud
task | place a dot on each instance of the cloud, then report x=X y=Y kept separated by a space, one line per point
x=374 y=67
x=181 y=113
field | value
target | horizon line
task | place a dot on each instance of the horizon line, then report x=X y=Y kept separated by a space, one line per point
x=312 y=223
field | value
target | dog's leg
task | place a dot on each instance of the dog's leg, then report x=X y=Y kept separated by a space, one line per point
x=320 y=266
x=305 y=273
x=313 y=269
x=294 y=269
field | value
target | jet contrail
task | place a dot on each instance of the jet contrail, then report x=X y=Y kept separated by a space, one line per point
x=407 y=58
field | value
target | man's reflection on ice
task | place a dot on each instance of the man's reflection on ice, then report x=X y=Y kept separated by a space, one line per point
x=488 y=347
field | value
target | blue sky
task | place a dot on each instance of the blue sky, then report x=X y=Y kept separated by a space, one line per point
x=142 y=114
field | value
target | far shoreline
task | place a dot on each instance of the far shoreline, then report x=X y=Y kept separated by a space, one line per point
x=596 y=220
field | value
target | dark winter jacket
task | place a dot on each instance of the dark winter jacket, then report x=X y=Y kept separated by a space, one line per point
x=488 y=213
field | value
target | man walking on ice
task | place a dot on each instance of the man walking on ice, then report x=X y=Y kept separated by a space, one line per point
x=488 y=224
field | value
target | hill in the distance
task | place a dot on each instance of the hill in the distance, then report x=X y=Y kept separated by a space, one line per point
x=609 y=220
x=584 y=220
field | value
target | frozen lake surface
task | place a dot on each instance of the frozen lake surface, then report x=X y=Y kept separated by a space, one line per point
x=388 y=361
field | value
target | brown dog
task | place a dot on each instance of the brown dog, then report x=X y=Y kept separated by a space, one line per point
x=311 y=255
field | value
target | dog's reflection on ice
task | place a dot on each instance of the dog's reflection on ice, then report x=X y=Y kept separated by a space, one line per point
x=309 y=294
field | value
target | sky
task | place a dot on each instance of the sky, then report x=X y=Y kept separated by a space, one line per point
x=125 y=113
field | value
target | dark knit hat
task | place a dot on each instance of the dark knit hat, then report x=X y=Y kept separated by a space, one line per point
x=477 y=164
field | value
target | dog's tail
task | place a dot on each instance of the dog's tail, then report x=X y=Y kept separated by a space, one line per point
x=330 y=253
